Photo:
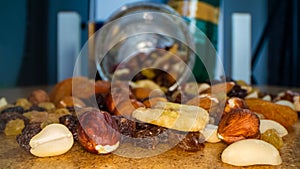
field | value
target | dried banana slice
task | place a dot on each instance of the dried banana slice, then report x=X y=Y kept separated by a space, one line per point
x=174 y=116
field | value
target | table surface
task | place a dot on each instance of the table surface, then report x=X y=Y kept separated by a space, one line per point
x=12 y=156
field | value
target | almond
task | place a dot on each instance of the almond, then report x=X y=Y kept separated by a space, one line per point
x=237 y=125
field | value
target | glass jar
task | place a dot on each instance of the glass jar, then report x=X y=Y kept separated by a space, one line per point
x=145 y=40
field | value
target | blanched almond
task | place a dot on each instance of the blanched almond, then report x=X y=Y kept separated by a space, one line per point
x=251 y=152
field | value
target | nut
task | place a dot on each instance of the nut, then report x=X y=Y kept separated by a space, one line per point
x=251 y=152
x=210 y=133
x=102 y=86
x=297 y=103
x=152 y=101
x=220 y=88
x=237 y=125
x=70 y=101
x=97 y=131
x=235 y=103
x=53 y=140
x=271 y=124
x=38 y=96
x=205 y=101
x=126 y=107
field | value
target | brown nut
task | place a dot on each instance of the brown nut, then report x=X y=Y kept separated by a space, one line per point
x=141 y=93
x=127 y=107
x=220 y=88
x=205 y=101
x=152 y=101
x=235 y=103
x=237 y=125
x=98 y=131
x=38 y=96
x=102 y=86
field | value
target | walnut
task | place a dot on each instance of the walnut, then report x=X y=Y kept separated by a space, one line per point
x=237 y=125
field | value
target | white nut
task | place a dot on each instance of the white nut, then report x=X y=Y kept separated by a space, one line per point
x=3 y=102
x=251 y=152
x=252 y=95
x=297 y=103
x=53 y=140
x=286 y=103
x=210 y=133
x=267 y=98
x=271 y=124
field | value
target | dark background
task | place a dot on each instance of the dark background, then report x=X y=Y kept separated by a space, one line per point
x=28 y=48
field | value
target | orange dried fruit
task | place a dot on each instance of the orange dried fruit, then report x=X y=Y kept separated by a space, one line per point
x=282 y=114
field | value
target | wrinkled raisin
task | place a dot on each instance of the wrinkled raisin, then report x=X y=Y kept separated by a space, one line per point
x=28 y=132
x=7 y=116
x=17 y=109
x=237 y=91
x=71 y=123
x=192 y=141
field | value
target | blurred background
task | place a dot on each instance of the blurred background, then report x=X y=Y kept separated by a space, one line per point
x=258 y=40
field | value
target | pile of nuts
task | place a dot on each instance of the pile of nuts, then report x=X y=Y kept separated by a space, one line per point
x=101 y=116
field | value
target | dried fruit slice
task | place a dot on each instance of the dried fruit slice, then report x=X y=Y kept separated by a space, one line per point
x=271 y=136
x=271 y=124
x=175 y=116
x=251 y=152
x=282 y=114
x=54 y=139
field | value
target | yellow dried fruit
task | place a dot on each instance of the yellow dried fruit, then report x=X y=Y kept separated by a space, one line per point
x=271 y=136
x=14 y=127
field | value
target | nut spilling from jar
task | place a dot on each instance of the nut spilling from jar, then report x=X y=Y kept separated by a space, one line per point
x=54 y=139
x=98 y=132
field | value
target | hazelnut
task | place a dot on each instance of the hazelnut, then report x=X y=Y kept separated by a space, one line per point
x=237 y=125
x=205 y=101
x=235 y=103
x=38 y=96
x=102 y=86
x=98 y=131
x=127 y=107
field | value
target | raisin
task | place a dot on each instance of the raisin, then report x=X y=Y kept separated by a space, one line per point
x=17 y=109
x=193 y=141
x=36 y=108
x=7 y=116
x=271 y=136
x=14 y=127
x=71 y=123
x=28 y=132
x=237 y=91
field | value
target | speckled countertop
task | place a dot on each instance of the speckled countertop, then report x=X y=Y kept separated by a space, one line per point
x=12 y=156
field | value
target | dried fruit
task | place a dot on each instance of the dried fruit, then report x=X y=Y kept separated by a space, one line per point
x=71 y=123
x=126 y=107
x=271 y=124
x=97 y=131
x=193 y=141
x=272 y=136
x=175 y=116
x=36 y=117
x=53 y=140
x=17 y=109
x=251 y=152
x=8 y=116
x=282 y=114
x=23 y=102
x=28 y=132
x=14 y=127
x=237 y=91
x=47 y=106
x=38 y=96
x=237 y=125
